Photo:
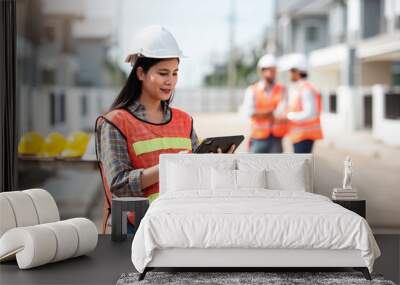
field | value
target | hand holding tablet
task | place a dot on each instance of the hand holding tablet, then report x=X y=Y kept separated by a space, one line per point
x=223 y=144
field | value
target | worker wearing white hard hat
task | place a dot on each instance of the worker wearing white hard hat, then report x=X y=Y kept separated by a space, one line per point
x=304 y=107
x=153 y=42
x=267 y=61
x=297 y=62
x=265 y=103
x=141 y=124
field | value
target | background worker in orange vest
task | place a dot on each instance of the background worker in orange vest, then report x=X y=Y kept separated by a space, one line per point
x=304 y=107
x=265 y=103
x=141 y=125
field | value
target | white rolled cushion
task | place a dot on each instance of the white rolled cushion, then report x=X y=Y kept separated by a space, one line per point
x=67 y=240
x=46 y=207
x=87 y=235
x=7 y=218
x=23 y=208
x=33 y=246
x=40 y=244
x=223 y=179
x=251 y=178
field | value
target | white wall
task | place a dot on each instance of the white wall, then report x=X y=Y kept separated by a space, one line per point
x=383 y=129
x=345 y=105
x=349 y=116
x=325 y=77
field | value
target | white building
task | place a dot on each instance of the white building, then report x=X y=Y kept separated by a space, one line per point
x=353 y=47
x=68 y=65
x=93 y=40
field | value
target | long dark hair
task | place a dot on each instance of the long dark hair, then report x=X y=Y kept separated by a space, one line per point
x=133 y=86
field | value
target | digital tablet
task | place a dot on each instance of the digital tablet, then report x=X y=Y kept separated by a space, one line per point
x=224 y=143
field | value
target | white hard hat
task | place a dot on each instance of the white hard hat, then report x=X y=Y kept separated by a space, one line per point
x=266 y=61
x=154 y=41
x=297 y=61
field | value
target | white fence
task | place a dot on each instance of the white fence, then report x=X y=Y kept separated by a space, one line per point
x=61 y=109
x=350 y=109
x=200 y=100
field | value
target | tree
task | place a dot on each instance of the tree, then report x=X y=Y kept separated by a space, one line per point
x=246 y=72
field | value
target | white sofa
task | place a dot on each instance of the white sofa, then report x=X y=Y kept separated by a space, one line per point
x=247 y=210
x=31 y=231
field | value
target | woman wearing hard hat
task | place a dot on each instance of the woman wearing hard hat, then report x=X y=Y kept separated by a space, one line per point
x=141 y=125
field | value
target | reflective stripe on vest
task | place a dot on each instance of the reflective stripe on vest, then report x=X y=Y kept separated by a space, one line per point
x=151 y=145
x=152 y=197
x=263 y=128
x=309 y=129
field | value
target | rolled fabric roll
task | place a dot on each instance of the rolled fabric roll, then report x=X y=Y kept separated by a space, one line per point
x=31 y=232
x=40 y=244
x=46 y=207
x=23 y=208
x=7 y=217
x=67 y=240
x=33 y=246
x=87 y=234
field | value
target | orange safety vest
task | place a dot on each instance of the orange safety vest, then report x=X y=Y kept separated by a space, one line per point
x=145 y=142
x=309 y=129
x=262 y=128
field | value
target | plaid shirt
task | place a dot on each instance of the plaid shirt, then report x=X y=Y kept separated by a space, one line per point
x=123 y=178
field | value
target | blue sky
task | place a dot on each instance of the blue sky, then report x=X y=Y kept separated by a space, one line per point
x=201 y=27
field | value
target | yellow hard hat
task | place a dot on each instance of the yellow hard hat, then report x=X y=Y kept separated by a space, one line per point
x=76 y=145
x=53 y=145
x=30 y=143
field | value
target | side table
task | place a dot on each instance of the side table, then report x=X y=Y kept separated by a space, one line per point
x=120 y=208
x=357 y=206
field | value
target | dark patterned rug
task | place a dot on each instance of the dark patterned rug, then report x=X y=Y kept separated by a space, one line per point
x=273 y=278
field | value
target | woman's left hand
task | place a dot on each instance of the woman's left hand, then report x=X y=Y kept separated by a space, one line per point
x=230 y=150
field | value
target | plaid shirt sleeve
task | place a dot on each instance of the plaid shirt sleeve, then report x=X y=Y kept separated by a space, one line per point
x=123 y=179
x=194 y=139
